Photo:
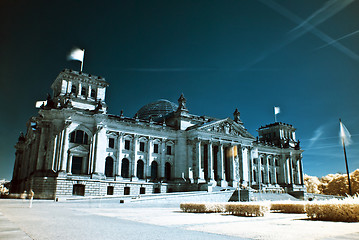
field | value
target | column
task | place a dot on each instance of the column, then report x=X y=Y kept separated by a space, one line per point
x=119 y=155
x=65 y=148
x=232 y=167
x=267 y=169
x=100 y=151
x=300 y=169
x=220 y=166
x=198 y=159
x=210 y=162
x=89 y=92
x=149 y=158
x=161 y=165
x=135 y=156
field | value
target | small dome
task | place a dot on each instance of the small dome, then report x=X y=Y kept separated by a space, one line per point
x=156 y=109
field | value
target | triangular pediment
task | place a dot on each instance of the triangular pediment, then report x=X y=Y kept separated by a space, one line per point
x=79 y=149
x=225 y=127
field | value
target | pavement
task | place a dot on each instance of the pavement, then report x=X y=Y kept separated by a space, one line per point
x=154 y=218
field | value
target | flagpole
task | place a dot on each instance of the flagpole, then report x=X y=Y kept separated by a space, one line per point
x=346 y=161
x=275 y=115
x=83 y=59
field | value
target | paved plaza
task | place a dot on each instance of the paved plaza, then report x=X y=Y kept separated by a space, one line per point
x=153 y=219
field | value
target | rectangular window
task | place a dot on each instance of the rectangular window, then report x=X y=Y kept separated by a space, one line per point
x=109 y=190
x=142 y=190
x=155 y=148
x=142 y=146
x=78 y=190
x=111 y=143
x=76 y=167
x=169 y=150
x=127 y=144
x=126 y=191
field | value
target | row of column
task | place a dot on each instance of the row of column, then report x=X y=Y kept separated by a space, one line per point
x=223 y=163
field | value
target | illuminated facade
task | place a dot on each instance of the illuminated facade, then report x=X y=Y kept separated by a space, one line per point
x=74 y=147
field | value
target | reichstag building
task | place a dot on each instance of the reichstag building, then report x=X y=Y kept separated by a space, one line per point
x=75 y=147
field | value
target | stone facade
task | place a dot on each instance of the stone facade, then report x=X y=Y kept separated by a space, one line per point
x=74 y=147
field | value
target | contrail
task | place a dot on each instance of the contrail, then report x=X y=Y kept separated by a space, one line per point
x=336 y=40
x=329 y=9
x=195 y=70
x=308 y=27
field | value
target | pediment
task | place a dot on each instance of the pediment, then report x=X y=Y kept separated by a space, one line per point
x=226 y=127
x=79 y=149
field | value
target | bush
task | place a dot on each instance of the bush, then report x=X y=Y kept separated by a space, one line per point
x=238 y=209
x=203 y=207
x=288 y=207
x=248 y=209
x=346 y=210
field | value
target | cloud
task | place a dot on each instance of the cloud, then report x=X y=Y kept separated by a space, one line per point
x=316 y=136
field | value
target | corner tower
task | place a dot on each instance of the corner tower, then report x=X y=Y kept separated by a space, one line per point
x=79 y=90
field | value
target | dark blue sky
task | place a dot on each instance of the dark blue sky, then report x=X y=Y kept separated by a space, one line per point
x=302 y=56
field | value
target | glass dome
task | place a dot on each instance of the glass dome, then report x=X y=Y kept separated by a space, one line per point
x=157 y=109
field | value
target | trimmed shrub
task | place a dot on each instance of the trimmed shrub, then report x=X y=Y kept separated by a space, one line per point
x=288 y=207
x=346 y=210
x=203 y=207
x=248 y=209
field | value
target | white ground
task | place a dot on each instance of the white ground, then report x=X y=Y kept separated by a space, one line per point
x=271 y=226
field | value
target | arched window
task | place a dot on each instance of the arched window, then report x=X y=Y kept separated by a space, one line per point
x=254 y=176
x=262 y=176
x=125 y=167
x=79 y=137
x=93 y=93
x=168 y=171
x=154 y=170
x=140 y=168
x=270 y=177
x=109 y=167
x=74 y=89
x=83 y=91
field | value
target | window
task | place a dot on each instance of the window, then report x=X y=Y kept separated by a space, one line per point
x=127 y=144
x=76 y=167
x=154 y=170
x=126 y=191
x=269 y=161
x=83 y=91
x=109 y=190
x=79 y=137
x=142 y=190
x=168 y=171
x=125 y=167
x=111 y=143
x=73 y=89
x=169 y=150
x=254 y=176
x=78 y=189
x=276 y=163
x=142 y=146
x=262 y=160
x=157 y=190
x=109 y=167
x=155 y=148
x=93 y=93
x=140 y=169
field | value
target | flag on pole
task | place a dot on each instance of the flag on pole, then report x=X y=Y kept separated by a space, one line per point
x=76 y=54
x=344 y=134
x=276 y=110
